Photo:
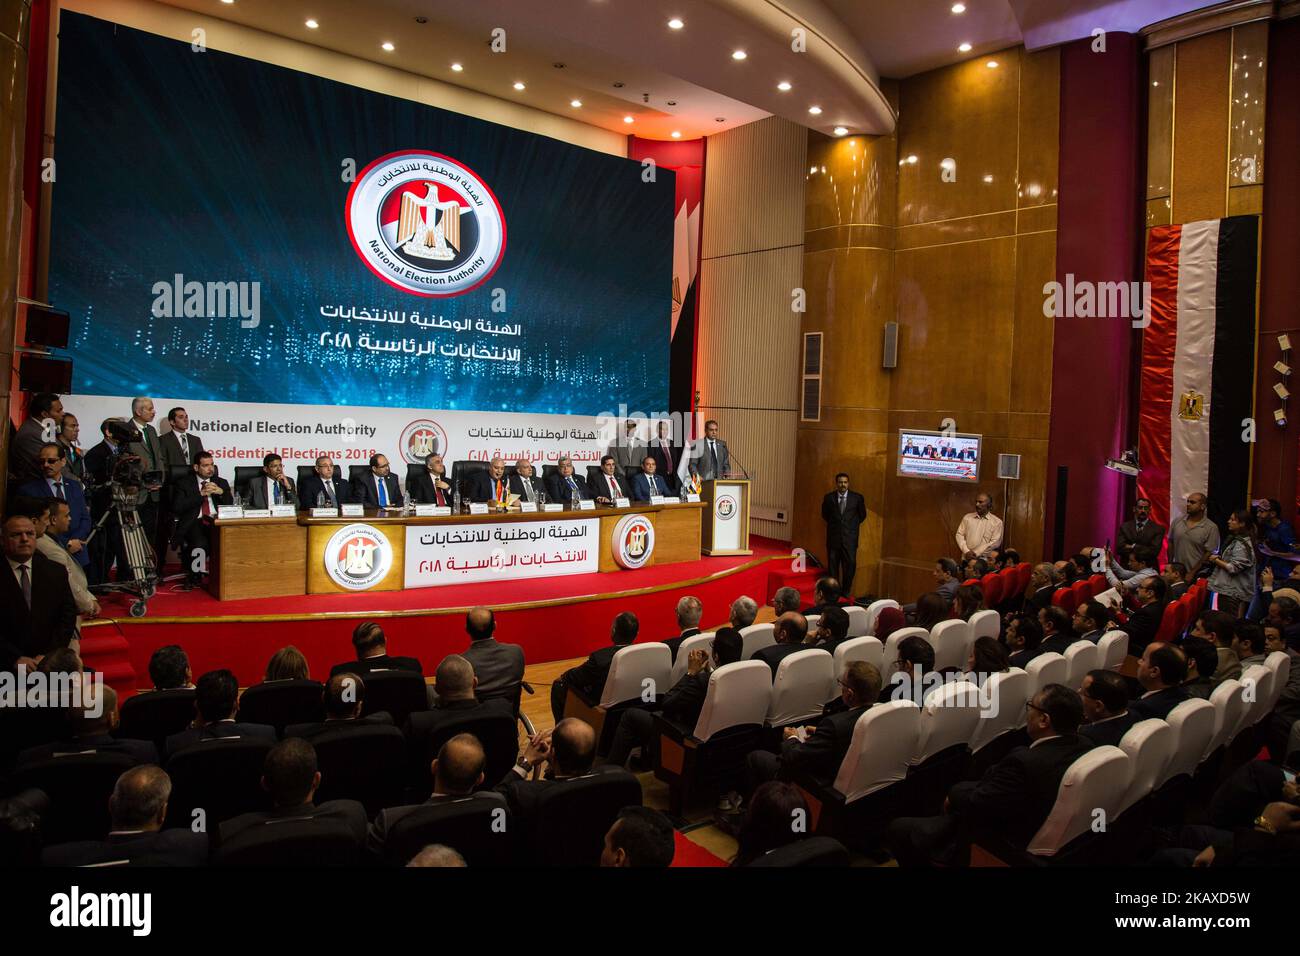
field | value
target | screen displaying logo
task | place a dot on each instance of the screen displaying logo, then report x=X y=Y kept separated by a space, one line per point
x=422 y=438
x=633 y=542
x=725 y=506
x=425 y=224
x=358 y=556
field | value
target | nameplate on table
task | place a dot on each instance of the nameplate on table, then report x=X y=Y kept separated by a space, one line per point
x=526 y=506
x=478 y=508
x=441 y=511
x=672 y=500
x=427 y=511
x=657 y=499
x=352 y=511
x=622 y=503
x=692 y=496
x=283 y=511
x=256 y=513
x=552 y=506
x=324 y=512
x=586 y=504
x=225 y=512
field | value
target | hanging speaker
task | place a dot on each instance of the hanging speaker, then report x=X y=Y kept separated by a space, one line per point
x=890 y=357
x=1009 y=466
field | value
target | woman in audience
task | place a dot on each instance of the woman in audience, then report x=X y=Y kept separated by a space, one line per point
x=968 y=599
x=931 y=608
x=288 y=663
x=1233 y=577
x=888 y=621
x=987 y=656
x=770 y=821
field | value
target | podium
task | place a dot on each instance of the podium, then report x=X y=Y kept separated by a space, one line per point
x=726 y=524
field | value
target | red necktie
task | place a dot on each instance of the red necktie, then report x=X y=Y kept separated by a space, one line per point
x=613 y=488
x=207 y=501
x=437 y=491
x=500 y=491
x=668 y=454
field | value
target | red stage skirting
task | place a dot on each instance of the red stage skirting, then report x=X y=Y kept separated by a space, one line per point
x=426 y=623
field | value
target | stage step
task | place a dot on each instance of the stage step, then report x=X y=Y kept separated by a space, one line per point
x=109 y=654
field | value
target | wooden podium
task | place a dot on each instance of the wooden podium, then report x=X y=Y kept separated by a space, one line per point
x=726 y=523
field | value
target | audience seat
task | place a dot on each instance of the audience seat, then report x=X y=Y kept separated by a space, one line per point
x=951 y=642
x=949 y=716
x=799 y=688
x=991 y=585
x=625 y=685
x=497 y=733
x=1064 y=598
x=1228 y=710
x=1279 y=662
x=1011 y=589
x=872 y=614
x=1080 y=657
x=366 y=763
x=889 y=656
x=1097 y=780
x=810 y=851
x=296 y=842
x=155 y=715
x=1082 y=592
x=222 y=776
x=400 y=693
x=1024 y=571
x=78 y=786
x=985 y=623
x=1096 y=585
x=281 y=703
x=481 y=831
x=1150 y=745
x=867 y=649
x=755 y=638
x=1049 y=668
x=995 y=735
x=569 y=824
x=1113 y=648
x=812 y=620
x=696 y=642
x=1192 y=722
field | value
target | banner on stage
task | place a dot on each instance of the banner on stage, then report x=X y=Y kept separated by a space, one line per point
x=469 y=553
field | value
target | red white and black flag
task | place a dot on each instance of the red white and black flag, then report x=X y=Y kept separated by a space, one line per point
x=1198 y=366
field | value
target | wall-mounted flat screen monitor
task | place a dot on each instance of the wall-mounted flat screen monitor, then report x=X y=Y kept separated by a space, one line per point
x=949 y=456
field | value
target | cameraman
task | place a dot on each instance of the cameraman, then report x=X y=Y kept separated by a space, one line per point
x=100 y=463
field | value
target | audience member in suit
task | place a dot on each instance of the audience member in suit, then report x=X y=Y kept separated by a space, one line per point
x=138 y=808
x=823 y=748
x=44 y=412
x=689 y=611
x=681 y=705
x=342 y=697
x=786 y=599
x=289 y=774
x=272 y=486
x=1286 y=712
x=844 y=511
x=1091 y=621
x=1161 y=672
x=498 y=667
x=766 y=824
x=648 y=482
x=607 y=484
x=372 y=654
x=378 y=487
x=1217 y=628
x=550 y=760
x=456 y=771
x=194 y=503
x=524 y=483
x=54 y=484
x=325 y=486
x=36 y=600
x=1139 y=530
x=832 y=630
x=1042 y=585
x=946 y=580
x=789 y=629
x=640 y=837
x=432 y=485
x=490 y=486
x=1024 y=638
x=93 y=725
x=454 y=684
x=1248 y=644
x=826 y=593
x=1202 y=660
x=1175 y=576
x=667 y=455
x=988 y=656
x=1106 y=714
x=1057 y=636
x=1143 y=624
x=216 y=698
x=1012 y=799
x=564 y=486
x=169 y=668
x=588 y=678
x=907 y=679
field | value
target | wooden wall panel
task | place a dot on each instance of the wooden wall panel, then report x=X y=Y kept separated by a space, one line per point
x=753 y=188
x=1200 y=159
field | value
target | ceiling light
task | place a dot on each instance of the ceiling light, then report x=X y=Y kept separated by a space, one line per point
x=988 y=179
x=992 y=64
x=783 y=86
x=841 y=131
x=815 y=110
x=519 y=86
x=676 y=23
x=738 y=54
x=312 y=24
x=959 y=8
x=912 y=160
x=677 y=134
x=388 y=47
x=227 y=1
x=575 y=103
x=456 y=68
x=627 y=119
x=964 y=48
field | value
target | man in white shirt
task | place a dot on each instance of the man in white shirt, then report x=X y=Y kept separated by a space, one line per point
x=980 y=532
x=55 y=521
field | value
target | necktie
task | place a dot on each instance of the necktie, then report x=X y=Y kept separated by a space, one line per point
x=329 y=491
x=382 y=487
x=668 y=454
x=275 y=492
x=501 y=495
x=613 y=488
x=437 y=492
x=528 y=487
x=25 y=582
x=207 y=501
x=58 y=490
x=573 y=485
x=713 y=455
x=185 y=447
x=842 y=504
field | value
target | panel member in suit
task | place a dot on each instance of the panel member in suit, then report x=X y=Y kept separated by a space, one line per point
x=666 y=454
x=498 y=667
x=1139 y=530
x=194 y=503
x=378 y=487
x=564 y=486
x=372 y=654
x=53 y=484
x=1105 y=708
x=272 y=486
x=821 y=752
x=648 y=482
x=607 y=484
x=588 y=678
x=626 y=450
x=432 y=486
x=324 y=487
x=790 y=630
x=709 y=455
x=216 y=697
x=1161 y=672
x=524 y=483
x=36 y=601
x=44 y=412
x=1011 y=800
x=149 y=450
x=490 y=485
x=138 y=808
x=843 y=511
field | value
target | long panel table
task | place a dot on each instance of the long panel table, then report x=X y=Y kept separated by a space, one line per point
x=388 y=551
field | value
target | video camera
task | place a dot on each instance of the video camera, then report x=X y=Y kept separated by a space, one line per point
x=126 y=473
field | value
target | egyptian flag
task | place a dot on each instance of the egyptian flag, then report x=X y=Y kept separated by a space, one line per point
x=1198 y=366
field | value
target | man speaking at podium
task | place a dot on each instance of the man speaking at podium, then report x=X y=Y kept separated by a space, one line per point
x=709 y=455
x=843 y=511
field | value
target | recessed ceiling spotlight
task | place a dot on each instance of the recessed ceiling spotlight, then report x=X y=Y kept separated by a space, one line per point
x=619 y=84
x=422 y=20
x=815 y=110
x=670 y=102
x=227 y=1
x=964 y=48
x=719 y=119
x=677 y=134
x=312 y=24
x=959 y=8
x=456 y=68
x=676 y=23
x=911 y=160
x=988 y=179
x=388 y=47
x=627 y=119
x=575 y=103
x=841 y=131
x=519 y=86
x=738 y=54
x=784 y=86
x=992 y=64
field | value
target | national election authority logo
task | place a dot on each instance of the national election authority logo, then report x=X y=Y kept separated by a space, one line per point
x=725 y=507
x=358 y=556
x=422 y=438
x=633 y=542
x=425 y=224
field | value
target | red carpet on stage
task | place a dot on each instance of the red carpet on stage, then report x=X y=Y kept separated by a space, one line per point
x=552 y=618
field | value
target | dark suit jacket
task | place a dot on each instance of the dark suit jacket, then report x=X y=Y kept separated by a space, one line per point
x=481 y=486
x=1151 y=535
x=1017 y=793
x=426 y=723
x=641 y=486
x=366 y=491
x=1039 y=599
x=381 y=663
x=588 y=678
x=773 y=654
x=422 y=492
x=312 y=486
x=142 y=750
x=703 y=464
x=383 y=825
x=1141 y=627
x=558 y=490
x=171 y=450
x=186 y=501
x=599 y=485
x=516 y=485
x=226 y=728
x=1022 y=657
x=151 y=456
x=663 y=467
x=75 y=494
x=96 y=472
x=340 y=726
x=1158 y=704
x=349 y=812
x=676 y=642
x=683 y=703
x=498 y=667
x=1057 y=643
x=176 y=847
x=1110 y=731
x=842 y=529
x=257 y=497
x=522 y=795
x=25 y=449
x=49 y=623
x=822 y=753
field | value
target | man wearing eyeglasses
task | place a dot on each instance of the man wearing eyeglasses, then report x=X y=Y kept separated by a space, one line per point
x=1143 y=623
x=55 y=484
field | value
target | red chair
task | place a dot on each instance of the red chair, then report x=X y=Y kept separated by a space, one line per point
x=974 y=581
x=1097 y=584
x=1082 y=592
x=1168 y=622
x=1025 y=570
x=992 y=585
x=1063 y=597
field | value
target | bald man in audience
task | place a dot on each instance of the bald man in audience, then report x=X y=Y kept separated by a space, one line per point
x=92 y=730
x=343 y=698
x=549 y=760
x=435 y=855
x=498 y=667
x=454 y=686
x=789 y=629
